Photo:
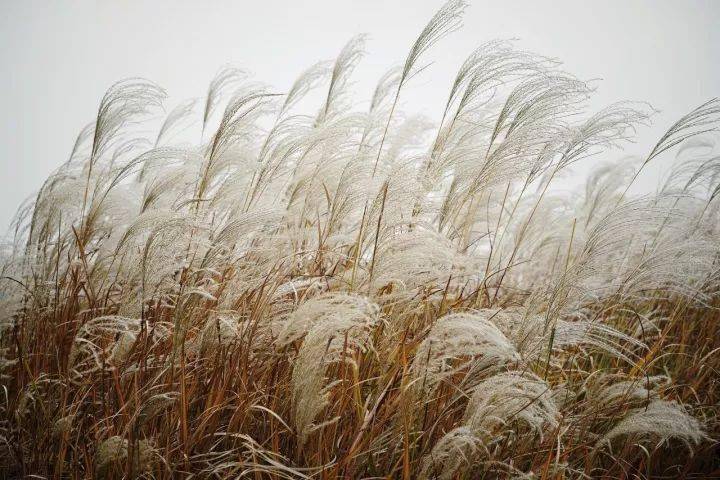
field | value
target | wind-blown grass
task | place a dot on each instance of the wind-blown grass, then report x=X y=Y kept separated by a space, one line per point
x=361 y=294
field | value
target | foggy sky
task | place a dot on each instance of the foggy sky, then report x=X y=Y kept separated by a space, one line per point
x=58 y=58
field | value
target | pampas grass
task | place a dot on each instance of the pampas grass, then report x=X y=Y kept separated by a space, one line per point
x=318 y=291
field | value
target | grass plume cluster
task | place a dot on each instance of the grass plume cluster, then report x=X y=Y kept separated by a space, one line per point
x=257 y=292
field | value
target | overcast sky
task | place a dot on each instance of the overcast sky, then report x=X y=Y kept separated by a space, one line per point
x=57 y=58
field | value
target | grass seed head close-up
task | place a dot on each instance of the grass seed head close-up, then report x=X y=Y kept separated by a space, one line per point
x=295 y=285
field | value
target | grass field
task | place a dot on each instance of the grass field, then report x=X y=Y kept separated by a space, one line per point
x=259 y=285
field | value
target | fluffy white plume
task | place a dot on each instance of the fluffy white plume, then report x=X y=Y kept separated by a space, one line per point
x=458 y=342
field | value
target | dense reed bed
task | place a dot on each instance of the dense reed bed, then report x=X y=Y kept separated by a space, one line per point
x=252 y=291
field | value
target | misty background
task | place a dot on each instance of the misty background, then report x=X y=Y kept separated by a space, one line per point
x=58 y=58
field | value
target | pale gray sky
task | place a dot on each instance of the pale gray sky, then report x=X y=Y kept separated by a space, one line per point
x=57 y=58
